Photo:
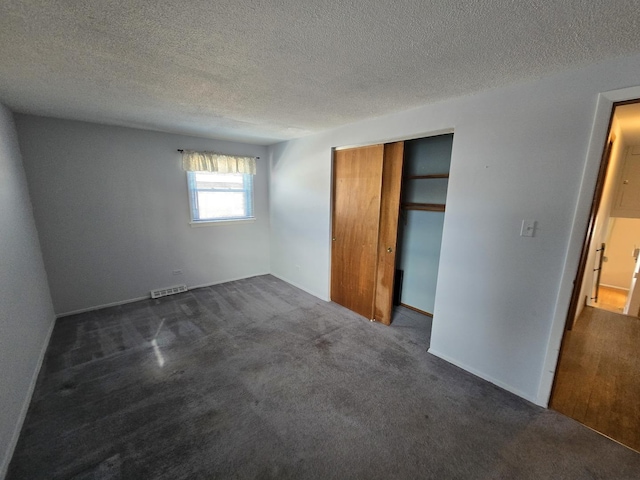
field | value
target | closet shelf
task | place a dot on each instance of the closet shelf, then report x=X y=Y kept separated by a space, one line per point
x=425 y=207
x=433 y=175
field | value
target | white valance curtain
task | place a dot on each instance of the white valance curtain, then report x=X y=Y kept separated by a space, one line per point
x=193 y=161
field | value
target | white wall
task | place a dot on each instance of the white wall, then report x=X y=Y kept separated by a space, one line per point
x=26 y=312
x=112 y=211
x=624 y=237
x=518 y=153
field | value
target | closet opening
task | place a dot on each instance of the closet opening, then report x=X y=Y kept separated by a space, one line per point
x=425 y=180
x=389 y=203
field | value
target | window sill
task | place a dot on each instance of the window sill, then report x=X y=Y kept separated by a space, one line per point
x=215 y=223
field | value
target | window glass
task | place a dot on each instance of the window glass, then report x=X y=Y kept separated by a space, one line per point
x=220 y=196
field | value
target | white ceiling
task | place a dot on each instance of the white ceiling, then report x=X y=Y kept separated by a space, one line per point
x=263 y=71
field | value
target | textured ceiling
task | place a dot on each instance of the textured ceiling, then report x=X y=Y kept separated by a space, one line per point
x=263 y=71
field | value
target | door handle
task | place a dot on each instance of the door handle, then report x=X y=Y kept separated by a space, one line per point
x=389 y=249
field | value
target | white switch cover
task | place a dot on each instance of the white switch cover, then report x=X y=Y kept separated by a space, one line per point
x=528 y=228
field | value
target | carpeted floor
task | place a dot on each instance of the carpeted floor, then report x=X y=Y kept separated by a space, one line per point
x=257 y=379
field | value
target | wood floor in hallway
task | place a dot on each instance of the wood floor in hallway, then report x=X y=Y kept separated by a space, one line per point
x=598 y=380
x=612 y=299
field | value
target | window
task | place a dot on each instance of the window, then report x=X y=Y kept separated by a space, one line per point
x=216 y=197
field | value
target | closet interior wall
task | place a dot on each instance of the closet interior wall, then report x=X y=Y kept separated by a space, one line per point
x=424 y=191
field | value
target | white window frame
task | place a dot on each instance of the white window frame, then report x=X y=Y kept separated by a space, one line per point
x=196 y=221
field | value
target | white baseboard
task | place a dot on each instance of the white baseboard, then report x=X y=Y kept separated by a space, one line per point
x=315 y=294
x=486 y=377
x=235 y=279
x=106 y=305
x=25 y=406
x=137 y=299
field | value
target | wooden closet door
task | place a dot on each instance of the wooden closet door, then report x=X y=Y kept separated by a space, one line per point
x=388 y=237
x=357 y=185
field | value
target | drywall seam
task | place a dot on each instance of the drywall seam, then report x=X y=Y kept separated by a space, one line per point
x=484 y=376
x=25 y=406
x=315 y=294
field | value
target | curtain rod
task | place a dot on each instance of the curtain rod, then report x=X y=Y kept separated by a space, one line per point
x=181 y=150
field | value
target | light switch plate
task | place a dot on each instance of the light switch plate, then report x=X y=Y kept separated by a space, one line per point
x=528 y=228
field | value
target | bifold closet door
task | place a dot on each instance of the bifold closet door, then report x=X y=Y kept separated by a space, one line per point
x=357 y=186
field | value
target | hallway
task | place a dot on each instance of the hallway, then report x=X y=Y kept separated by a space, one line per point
x=612 y=299
x=598 y=379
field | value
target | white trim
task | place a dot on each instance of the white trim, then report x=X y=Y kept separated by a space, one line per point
x=483 y=376
x=597 y=140
x=297 y=285
x=235 y=279
x=416 y=136
x=106 y=305
x=147 y=297
x=216 y=223
x=614 y=287
x=209 y=222
x=25 y=406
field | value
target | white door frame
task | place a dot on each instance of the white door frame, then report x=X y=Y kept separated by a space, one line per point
x=633 y=299
x=599 y=131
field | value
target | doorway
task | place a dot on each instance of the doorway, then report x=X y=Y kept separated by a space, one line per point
x=597 y=380
x=619 y=266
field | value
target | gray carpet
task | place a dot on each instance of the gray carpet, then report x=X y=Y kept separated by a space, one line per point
x=257 y=379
